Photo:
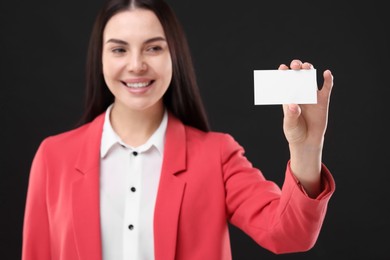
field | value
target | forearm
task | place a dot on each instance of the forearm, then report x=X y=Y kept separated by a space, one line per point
x=305 y=163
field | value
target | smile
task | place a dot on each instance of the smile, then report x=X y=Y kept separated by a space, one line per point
x=138 y=84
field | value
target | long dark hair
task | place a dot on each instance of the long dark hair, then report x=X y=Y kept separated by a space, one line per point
x=182 y=97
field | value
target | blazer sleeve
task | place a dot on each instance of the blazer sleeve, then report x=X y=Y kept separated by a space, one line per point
x=36 y=235
x=282 y=220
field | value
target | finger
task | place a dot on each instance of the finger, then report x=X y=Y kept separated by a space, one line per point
x=296 y=64
x=307 y=66
x=328 y=83
x=283 y=67
x=291 y=109
x=291 y=115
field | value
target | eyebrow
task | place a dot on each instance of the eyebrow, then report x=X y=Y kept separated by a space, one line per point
x=154 y=39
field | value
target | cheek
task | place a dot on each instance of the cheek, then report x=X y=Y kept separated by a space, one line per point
x=110 y=66
x=105 y=66
x=166 y=68
x=109 y=73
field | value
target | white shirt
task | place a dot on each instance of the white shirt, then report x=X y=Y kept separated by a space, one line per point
x=129 y=178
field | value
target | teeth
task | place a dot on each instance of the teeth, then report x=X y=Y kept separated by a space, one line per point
x=138 y=84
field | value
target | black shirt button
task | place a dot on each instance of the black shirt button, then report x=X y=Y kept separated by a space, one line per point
x=135 y=153
x=131 y=227
x=133 y=189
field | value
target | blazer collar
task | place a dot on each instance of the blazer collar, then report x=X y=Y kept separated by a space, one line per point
x=85 y=193
x=175 y=146
x=89 y=154
x=174 y=150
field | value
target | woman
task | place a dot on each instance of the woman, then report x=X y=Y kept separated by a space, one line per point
x=143 y=177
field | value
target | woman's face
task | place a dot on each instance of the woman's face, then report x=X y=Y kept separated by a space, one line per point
x=137 y=65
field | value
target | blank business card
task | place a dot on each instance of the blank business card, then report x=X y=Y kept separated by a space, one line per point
x=274 y=87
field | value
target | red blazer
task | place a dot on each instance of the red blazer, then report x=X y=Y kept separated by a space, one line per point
x=206 y=182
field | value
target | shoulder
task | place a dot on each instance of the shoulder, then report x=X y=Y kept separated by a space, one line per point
x=178 y=133
x=73 y=138
x=212 y=139
x=216 y=148
x=68 y=137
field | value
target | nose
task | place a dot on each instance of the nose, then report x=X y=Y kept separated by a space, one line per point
x=136 y=64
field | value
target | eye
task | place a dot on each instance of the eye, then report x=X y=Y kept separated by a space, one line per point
x=154 y=49
x=118 y=50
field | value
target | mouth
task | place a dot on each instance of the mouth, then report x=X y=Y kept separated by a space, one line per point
x=138 y=85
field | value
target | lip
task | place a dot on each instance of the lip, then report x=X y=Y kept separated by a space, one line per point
x=137 y=80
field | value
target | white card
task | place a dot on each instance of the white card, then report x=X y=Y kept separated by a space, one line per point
x=285 y=87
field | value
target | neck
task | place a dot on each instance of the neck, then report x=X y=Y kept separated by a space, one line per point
x=135 y=127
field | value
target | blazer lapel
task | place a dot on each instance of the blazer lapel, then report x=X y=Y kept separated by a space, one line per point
x=86 y=200
x=171 y=191
x=85 y=194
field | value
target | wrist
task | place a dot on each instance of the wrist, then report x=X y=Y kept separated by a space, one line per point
x=305 y=164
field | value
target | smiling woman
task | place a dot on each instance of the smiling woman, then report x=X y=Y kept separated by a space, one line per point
x=143 y=176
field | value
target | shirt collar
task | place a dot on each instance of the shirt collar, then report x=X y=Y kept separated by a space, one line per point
x=110 y=137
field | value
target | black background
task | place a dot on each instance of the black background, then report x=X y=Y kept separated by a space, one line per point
x=43 y=46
